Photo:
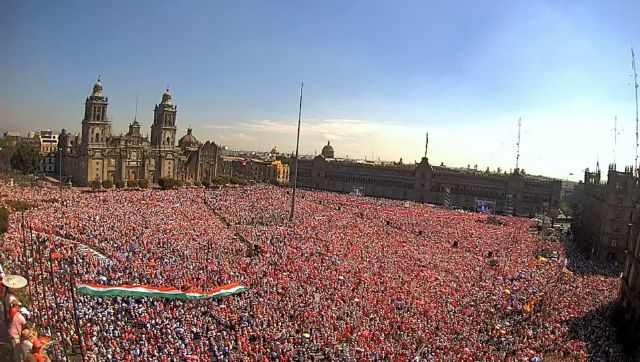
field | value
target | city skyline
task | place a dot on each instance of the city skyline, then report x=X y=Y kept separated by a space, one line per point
x=376 y=77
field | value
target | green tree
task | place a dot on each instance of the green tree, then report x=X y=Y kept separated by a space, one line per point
x=143 y=183
x=107 y=184
x=25 y=159
x=167 y=183
x=222 y=180
x=206 y=183
x=95 y=184
x=565 y=208
x=119 y=184
x=7 y=149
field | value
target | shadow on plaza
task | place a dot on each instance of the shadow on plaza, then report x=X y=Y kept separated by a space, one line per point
x=602 y=342
x=579 y=262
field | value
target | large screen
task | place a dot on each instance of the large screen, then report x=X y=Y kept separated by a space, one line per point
x=485 y=206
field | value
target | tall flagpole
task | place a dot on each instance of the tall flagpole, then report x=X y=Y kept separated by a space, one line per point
x=426 y=146
x=295 y=172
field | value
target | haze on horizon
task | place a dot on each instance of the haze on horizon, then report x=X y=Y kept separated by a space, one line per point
x=377 y=75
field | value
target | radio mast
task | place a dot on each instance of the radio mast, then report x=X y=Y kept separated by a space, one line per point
x=518 y=145
x=635 y=84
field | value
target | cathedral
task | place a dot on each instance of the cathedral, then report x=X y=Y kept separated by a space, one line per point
x=96 y=154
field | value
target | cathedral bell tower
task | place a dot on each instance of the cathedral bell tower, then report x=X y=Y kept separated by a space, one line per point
x=96 y=128
x=163 y=130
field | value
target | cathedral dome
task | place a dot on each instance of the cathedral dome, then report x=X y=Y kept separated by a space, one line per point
x=188 y=140
x=166 y=97
x=97 y=89
x=327 y=151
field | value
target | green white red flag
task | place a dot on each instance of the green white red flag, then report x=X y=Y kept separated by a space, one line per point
x=158 y=292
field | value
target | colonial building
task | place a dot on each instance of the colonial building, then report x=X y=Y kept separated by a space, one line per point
x=98 y=155
x=515 y=193
x=48 y=151
x=274 y=171
x=603 y=213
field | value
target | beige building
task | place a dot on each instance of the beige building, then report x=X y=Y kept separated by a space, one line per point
x=464 y=188
x=48 y=151
x=97 y=154
x=273 y=171
x=603 y=213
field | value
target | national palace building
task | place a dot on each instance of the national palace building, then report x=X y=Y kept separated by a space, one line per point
x=512 y=193
x=97 y=154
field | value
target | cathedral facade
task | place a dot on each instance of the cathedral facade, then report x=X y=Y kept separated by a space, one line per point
x=97 y=155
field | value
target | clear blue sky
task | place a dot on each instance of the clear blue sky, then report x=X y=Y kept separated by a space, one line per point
x=377 y=74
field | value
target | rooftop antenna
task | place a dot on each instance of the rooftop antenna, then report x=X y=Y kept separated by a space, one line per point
x=635 y=83
x=135 y=116
x=426 y=146
x=615 y=138
x=518 y=145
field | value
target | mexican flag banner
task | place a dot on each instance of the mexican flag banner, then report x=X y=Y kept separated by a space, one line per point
x=155 y=292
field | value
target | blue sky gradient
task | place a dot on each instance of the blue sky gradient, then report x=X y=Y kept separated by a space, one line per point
x=377 y=74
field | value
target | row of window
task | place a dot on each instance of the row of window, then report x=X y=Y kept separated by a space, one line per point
x=368 y=180
x=98 y=113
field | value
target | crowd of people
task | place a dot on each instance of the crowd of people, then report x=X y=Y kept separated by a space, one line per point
x=353 y=279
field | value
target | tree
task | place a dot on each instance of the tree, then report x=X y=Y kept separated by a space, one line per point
x=119 y=184
x=7 y=149
x=4 y=220
x=237 y=181
x=565 y=208
x=107 y=184
x=206 y=183
x=167 y=183
x=95 y=184
x=132 y=183
x=25 y=159
x=222 y=180
x=143 y=183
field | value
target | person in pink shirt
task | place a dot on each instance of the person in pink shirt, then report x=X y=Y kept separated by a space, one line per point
x=15 y=330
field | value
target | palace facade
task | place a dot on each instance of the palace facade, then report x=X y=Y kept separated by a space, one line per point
x=96 y=154
x=513 y=193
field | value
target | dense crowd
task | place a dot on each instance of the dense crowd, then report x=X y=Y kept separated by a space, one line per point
x=353 y=279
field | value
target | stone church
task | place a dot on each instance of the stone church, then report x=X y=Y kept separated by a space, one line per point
x=97 y=154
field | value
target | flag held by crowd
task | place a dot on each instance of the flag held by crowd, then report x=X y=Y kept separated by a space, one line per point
x=158 y=292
